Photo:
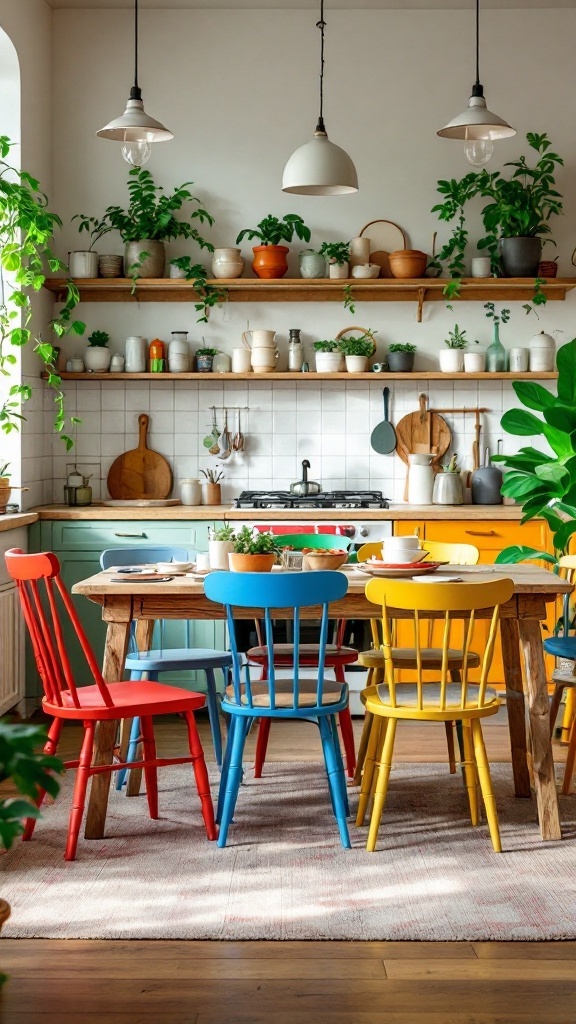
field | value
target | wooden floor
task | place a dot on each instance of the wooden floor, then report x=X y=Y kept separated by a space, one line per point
x=79 y=982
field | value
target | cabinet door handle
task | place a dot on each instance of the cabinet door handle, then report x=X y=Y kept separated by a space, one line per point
x=130 y=535
x=482 y=533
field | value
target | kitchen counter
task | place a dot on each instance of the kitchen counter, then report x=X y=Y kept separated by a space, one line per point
x=397 y=512
x=13 y=520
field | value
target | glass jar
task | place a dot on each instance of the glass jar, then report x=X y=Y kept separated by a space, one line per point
x=496 y=355
x=295 y=351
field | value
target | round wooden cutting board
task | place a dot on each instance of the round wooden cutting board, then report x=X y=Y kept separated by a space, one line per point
x=140 y=473
x=423 y=431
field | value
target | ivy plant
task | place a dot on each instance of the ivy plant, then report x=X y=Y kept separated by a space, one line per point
x=27 y=229
x=209 y=294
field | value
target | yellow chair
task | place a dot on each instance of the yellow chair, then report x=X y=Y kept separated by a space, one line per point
x=388 y=702
x=403 y=657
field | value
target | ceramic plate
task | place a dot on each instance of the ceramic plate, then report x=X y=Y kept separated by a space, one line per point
x=385 y=237
x=400 y=571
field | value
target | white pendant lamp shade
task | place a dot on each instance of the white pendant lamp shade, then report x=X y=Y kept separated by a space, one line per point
x=320 y=168
x=135 y=125
x=477 y=122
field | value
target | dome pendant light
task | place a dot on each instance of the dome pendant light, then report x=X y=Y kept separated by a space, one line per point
x=135 y=129
x=477 y=126
x=319 y=168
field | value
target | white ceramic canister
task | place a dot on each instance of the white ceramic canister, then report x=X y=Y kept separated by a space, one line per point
x=241 y=360
x=221 y=363
x=542 y=352
x=518 y=360
x=339 y=271
x=474 y=362
x=480 y=266
x=451 y=360
x=136 y=352
x=359 y=251
x=264 y=359
x=117 y=363
x=420 y=479
x=179 y=353
x=83 y=264
x=190 y=491
x=227 y=263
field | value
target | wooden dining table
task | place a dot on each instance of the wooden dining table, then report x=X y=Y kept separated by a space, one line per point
x=521 y=634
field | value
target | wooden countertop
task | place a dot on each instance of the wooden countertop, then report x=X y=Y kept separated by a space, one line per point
x=15 y=519
x=397 y=512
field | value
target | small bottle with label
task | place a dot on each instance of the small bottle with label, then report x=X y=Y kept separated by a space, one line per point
x=295 y=351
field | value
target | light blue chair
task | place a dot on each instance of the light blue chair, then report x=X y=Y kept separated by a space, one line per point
x=318 y=700
x=179 y=659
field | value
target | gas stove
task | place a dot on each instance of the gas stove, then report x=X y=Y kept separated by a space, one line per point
x=326 y=499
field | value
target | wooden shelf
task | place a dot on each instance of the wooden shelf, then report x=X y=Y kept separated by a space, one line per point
x=244 y=289
x=263 y=377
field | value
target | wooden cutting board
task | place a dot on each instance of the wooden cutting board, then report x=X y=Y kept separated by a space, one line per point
x=423 y=431
x=140 y=473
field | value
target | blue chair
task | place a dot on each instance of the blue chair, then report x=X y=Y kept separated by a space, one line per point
x=180 y=659
x=564 y=646
x=316 y=700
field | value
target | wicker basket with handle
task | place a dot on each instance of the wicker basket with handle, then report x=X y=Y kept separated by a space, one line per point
x=363 y=330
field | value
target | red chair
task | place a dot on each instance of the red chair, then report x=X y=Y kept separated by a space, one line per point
x=97 y=702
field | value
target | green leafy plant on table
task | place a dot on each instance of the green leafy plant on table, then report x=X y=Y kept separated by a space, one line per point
x=335 y=252
x=272 y=231
x=328 y=345
x=27 y=230
x=545 y=485
x=457 y=339
x=98 y=339
x=251 y=542
x=362 y=346
x=400 y=346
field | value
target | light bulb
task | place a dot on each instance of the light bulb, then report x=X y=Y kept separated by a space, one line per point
x=137 y=153
x=478 y=151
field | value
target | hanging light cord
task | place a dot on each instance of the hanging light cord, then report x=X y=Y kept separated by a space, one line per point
x=321 y=25
x=477 y=89
x=135 y=91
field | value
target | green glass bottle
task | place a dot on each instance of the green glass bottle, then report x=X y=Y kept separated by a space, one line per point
x=496 y=355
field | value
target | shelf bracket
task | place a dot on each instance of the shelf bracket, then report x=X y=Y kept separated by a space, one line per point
x=421 y=297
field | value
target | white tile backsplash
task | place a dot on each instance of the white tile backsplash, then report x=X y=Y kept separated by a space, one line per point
x=327 y=422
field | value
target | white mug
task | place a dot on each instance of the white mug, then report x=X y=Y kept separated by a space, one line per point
x=202 y=560
x=481 y=266
x=241 y=360
x=518 y=360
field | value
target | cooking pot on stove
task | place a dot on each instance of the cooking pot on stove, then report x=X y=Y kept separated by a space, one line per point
x=305 y=486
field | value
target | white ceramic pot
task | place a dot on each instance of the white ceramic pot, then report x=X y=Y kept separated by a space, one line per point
x=542 y=352
x=259 y=339
x=474 y=362
x=221 y=363
x=451 y=360
x=263 y=360
x=136 y=353
x=241 y=360
x=518 y=360
x=481 y=266
x=97 y=358
x=366 y=270
x=420 y=479
x=218 y=551
x=179 y=355
x=84 y=264
x=117 y=363
x=338 y=271
x=190 y=491
x=227 y=263
x=328 y=362
x=356 y=364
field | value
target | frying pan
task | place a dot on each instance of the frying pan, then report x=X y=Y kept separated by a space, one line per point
x=383 y=439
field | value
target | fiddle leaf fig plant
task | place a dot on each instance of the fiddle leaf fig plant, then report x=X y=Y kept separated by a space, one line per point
x=27 y=230
x=544 y=484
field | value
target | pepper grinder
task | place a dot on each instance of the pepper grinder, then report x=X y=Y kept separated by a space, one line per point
x=487 y=483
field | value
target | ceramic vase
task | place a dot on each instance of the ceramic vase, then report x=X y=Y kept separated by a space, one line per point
x=338 y=271
x=311 y=264
x=83 y=264
x=270 y=260
x=97 y=358
x=227 y=262
x=356 y=364
x=151 y=265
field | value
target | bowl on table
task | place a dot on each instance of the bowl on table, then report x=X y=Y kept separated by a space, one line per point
x=324 y=559
x=172 y=567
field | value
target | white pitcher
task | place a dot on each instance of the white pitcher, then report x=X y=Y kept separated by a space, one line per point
x=420 y=479
x=259 y=339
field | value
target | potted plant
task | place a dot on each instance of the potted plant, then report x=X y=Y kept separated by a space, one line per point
x=451 y=359
x=253 y=551
x=220 y=545
x=337 y=255
x=4 y=487
x=270 y=257
x=148 y=223
x=357 y=351
x=204 y=359
x=97 y=355
x=401 y=357
x=328 y=356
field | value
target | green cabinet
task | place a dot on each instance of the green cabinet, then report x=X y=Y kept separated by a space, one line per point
x=79 y=544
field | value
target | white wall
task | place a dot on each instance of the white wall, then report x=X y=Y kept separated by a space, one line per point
x=239 y=91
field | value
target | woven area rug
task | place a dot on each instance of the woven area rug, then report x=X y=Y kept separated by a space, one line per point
x=285 y=875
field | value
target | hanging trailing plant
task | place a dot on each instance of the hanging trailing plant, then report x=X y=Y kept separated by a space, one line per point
x=26 y=234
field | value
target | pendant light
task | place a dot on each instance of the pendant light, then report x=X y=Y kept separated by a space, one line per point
x=319 y=168
x=135 y=129
x=477 y=126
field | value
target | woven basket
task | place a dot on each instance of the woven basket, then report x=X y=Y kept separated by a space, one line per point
x=362 y=330
x=110 y=266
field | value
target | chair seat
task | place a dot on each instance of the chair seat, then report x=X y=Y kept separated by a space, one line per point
x=561 y=646
x=332 y=693
x=131 y=699
x=405 y=657
x=407 y=696
x=284 y=654
x=178 y=658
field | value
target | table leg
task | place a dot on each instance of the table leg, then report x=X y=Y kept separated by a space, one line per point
x=539 y=721
x=515 y=705
x=112 y=670
x=144 y=631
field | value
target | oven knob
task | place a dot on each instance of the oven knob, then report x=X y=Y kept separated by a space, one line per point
x=363 y=531
x=347 y=531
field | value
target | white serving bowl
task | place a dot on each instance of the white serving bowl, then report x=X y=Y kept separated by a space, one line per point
x=366 y=270
x=167 y=567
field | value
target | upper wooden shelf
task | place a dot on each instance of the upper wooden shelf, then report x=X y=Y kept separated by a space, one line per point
x=245 y=289
x=210 y=378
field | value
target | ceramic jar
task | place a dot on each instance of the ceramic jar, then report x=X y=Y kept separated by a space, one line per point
x=153 y=263
x=190 y=491
x=542 y=352
x=221 y=363
x=420 y=479
x=518 y=358
x=448 y=489
x=117 y=363
x=264 y=353
x=481 y=266
x=328 y=362
x=97 y=358
x=474 y=362
x=179 y=353
x=241 y=360
x=338 y=271
x=359 y=251
x=311 y=264
x=451 y=360
x=136 y=353
x=227 y=263
x=218 y=551
x=270 y=261
x=83 y=264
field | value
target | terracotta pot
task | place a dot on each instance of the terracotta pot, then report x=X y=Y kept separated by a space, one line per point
x=547 y=268
x=408 y=263
x=251 y=563
x=270 y=260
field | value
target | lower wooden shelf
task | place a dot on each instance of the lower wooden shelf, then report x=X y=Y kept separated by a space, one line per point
x=303 y=377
